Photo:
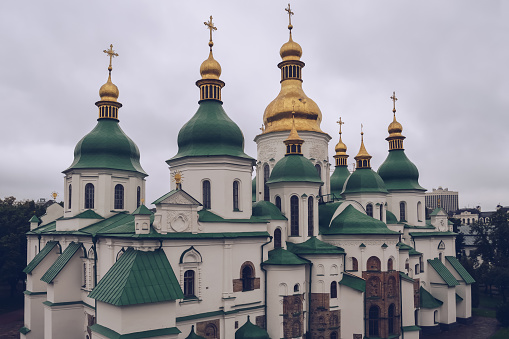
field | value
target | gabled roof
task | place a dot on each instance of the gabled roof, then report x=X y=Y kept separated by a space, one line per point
x=403 y=247
x=314 y=246
x=138 y=277
x=467 y=278
x=405 y=277
x=427 y=300
x=142 y=210
x=40 y=256
x=187 y=196
x=280 y=256
x=443 y=272
x=60 y=263
x=353 y=281
x=437 y=210
x=351 y=221
x=34 y=219
x=414 y=252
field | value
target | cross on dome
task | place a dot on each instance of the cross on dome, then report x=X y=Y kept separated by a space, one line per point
x=111 y=53
x=210 y=27
x=290 y=13
x=394 y=99
x=340 y=123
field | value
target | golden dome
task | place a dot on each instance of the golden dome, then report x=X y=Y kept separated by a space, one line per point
x=109 y=91
x=340 y=147
x=290 y=50
x=395 y=127
x=210 y=68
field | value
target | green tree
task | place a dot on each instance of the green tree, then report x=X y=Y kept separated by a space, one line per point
x=14 y=216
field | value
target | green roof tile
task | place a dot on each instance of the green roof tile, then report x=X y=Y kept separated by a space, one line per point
x=443 y=272
x=427 y=300
x=267 y=210
x=251 y=331
x=111 y=334
x=326 y=212
x=437 y=210
x=364 y=180
x=351 y=221
x=60 y=263
x=399 y=173
x=34 y=219
x=40 y=256
x=403 y=247
x=337 y=180
x=405 y=277
x=314 y=246
x=142 y=210
x=414 y=252
x=138 y=277
x=353 y=281
x=280 y=256
x=24 y=330
x=294 y=168
x=50 y=227
x=467 y=278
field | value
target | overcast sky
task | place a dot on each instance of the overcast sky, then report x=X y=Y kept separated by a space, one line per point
x=446 y=60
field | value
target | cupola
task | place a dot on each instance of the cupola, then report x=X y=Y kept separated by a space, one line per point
x=363 y=159
x=291 y=99
x=395 y=137
x=108 y=105
x=341 y=172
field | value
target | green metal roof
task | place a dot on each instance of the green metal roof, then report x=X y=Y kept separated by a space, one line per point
x=280 y=256
x=427 y=300
x=467 y=278
x=50 y=227
x=431 y=234
x=338 y=179
x=34 y=219
x=111 y=334
x=267 y=210
x=251 y=331
x=443 y=272
x=107 y=146
x=40 y=256
x=169 y=194
x=294 y=168
x=142 y=210
x=399 y=173
x=354 y=282
x=410 y=328
x=427 y=227
x=403 y=246
x=364 y=180
x=437 y=210
x=208 y=216
x=414 y=252
x=314 y=246
x=326 y=212
x=87 y=214
x=351 y=221
x=138 y=277
x=405 y=277
x=60 y=263
x=210 y=132
x=390 y=218
x=193 y=335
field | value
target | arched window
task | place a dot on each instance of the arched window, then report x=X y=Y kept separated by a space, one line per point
x=247 y=278
x=206 y=194
x=310 y=216
x=189 y=284
x=416 y=269
x=70 y=197
x=355 y=264
x=402 y=211
x=334 y=335
x=296 y=329
x=266 y=175
x=319 y=170
x=294 y=215
x=333 y=289
x=468 y=221
x=278 y=202
x=374 y=264
x=138 y=196
x=277 y=238
x=390 y=265
x=296 y=288
x=235 y=195
x=391 y=318
x=381 y=212
x=374 y=319
x=435 y=317
x=419 y=206
x=84 y=275
x=369 y=210
x=119 y=197
x=89 y=196
x=211 y=331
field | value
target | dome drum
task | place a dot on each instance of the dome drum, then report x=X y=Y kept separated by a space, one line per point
x=108 y=109
x=210 y=89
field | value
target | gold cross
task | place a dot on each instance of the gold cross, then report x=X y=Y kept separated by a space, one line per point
x=211 y=27
x=111 y=54
x=290 y=13
x=340 y=123
x=262 y=128
x=394 y=99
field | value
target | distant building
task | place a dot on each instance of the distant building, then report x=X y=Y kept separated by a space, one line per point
x=444 y=198
x=469 y=215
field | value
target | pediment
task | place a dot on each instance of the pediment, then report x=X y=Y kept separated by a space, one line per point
x=178 y=197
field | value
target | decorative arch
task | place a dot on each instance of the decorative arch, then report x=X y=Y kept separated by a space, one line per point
x=296 y=288
x=374 y=287
x=334 y=269
x=191 y=255
x=391 y=318
x=91 y=254
x=355 y=264
x=119 y=254
x=283 y=289
x=278 y=202
x=391 y=287
x=374 y=264
x=236 y=190
x=390 y=264
x=311 y=220
x=320 y=270
x=333 y=290
x=89 y=196
x=247 y=275
x=419 y=207
x=69 y=201
x=441 y=245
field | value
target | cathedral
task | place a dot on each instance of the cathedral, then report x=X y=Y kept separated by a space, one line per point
x=279 y=246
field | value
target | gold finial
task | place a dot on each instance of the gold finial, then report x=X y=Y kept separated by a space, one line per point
x=111 y=53
x=143 y=201
x=340 y=123
x=394 y=99
x=177 y=177
x=290 y=13
x=210 y=27
x=262 y=128
x=54 y=195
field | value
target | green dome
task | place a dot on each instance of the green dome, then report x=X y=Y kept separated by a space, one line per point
x=351 y=221
x=337 y=180
x=364 y=180
x=267 y=210
x=210 y=132
x=251 y=331
x=399 y=173
x=294 y=168
x=107 y=146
